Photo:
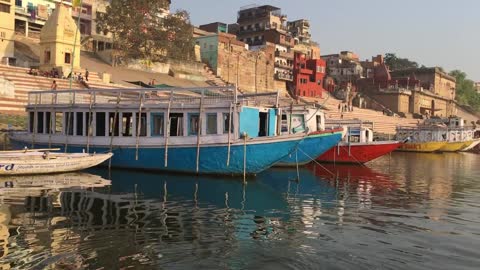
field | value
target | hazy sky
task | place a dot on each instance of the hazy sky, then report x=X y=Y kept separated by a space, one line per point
x=442 y=33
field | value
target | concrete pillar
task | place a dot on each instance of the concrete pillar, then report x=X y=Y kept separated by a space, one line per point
x=26 y=28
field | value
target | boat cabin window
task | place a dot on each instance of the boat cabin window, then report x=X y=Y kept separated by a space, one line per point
x=47 y=123
x=319 y=123
x=142 y=123
x=100 y=124
x=57 y=125
x=157 y=124
x=40 y=123
x=298 y=123
x=80 y=124
x=284 y=128
x=263 y=128
x=226 y=123
x=127 y=124
x=69 y=123
x=113 y=124
x=212 y=123
x=176 y=124
x=193 y=123
x=31 y=122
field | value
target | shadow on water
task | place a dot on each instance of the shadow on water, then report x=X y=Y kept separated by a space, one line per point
x=339 y=216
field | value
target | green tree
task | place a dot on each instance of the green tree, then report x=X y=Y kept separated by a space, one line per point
x=139 y=32
x=466 y=93
x=397 y=63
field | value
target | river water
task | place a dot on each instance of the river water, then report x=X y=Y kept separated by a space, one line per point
x=404 y=211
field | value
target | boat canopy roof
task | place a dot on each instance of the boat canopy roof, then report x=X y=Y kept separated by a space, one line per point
x=213 y=96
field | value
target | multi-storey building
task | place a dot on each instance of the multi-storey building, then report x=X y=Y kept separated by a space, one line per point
x=308 y=76
x=7 y=14
x=254 y=20
x=31 y=15
x=300 y=30
x=216 y=27
x=477 y=87
x=344 y=67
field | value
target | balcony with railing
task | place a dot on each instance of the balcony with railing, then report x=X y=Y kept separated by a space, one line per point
x=283 y=65
x=284 y=76
x=286 y=55
x=83 y=15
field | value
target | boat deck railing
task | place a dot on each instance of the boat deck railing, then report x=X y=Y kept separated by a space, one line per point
x=349 y=123
x=186 y=96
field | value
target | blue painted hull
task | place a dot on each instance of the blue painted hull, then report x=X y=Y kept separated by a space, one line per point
x=310 y=148
x=213 y=159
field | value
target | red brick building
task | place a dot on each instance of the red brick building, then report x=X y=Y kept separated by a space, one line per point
x=308 y=75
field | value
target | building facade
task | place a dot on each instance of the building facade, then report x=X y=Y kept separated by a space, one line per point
x=477 y=87
x=254 y=20
x=216 y=27
x=420 y=91
x=344 y=67
x=59 y=44
x=300 y=30
x=308 y=76
x=7 y=15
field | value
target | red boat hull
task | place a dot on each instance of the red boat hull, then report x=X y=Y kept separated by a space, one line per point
x=358 y=152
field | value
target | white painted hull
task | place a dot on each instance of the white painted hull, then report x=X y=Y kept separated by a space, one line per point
x=36 y=163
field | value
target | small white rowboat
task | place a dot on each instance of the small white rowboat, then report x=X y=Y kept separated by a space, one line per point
x=43 y=161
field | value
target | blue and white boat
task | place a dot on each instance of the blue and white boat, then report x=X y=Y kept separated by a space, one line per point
x=310 y=121
x=189 y=130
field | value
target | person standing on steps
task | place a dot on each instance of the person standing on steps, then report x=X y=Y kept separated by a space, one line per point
x=86 y=74
x=54 y=85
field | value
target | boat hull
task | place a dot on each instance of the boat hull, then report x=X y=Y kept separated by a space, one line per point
x=260 y=155
x=472 y=145
x=311 y=147
x=31 y=165
x=358 y=153
x=425 y=147
x=453 y=146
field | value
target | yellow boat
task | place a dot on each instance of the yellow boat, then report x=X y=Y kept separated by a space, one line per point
x=453 y=146
x=471 y=144
x=425 y=147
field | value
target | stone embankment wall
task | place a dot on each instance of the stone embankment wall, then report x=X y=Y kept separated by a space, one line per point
x=253 y=70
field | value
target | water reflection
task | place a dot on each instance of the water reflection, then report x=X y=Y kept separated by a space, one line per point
x=338 y=216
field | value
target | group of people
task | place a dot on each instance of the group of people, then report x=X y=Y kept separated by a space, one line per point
x=54 y=73
x=79 y=77
x=76 y=76
x=344 y=108
x=152 y=82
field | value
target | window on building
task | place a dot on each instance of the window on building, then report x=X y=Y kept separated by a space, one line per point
x=211 y=123
x=68 y=59
x=193 y=124
x=40 y=124
x=4 y=8
x=47 y=57
x=158 y=121
x=319 y=82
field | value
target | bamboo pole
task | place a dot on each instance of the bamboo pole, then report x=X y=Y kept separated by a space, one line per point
x=139 y=126
x=199 y=131
x=167 y=135
x=229 y=134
